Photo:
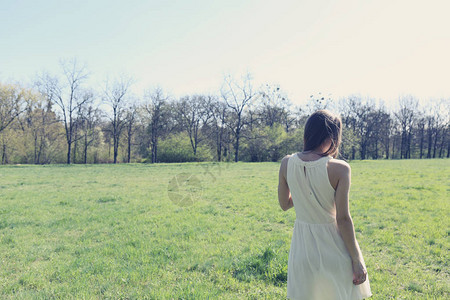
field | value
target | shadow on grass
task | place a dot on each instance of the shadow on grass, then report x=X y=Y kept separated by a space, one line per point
x=268 y=267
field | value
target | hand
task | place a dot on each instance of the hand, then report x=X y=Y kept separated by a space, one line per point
x=359 y=272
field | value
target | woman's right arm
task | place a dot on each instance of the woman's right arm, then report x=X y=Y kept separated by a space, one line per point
x=284 y=195
x=345 y=222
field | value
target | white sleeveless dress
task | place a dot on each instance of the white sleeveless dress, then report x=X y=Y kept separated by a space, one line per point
x=319 y=265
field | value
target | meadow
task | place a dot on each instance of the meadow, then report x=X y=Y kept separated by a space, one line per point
x=207 y=231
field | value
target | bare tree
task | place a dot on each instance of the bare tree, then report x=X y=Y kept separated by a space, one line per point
x=367 y=125
x=431 y=133
x=238 y=95
x=218 y=128
x=275 y=107
x=156 y=114
x=443 y=140
x=131 y=116
x=441 y=116
x=361 y=120
x=193 y=112
x=67 y=94
x=406 y=117
x=365 y=116
x=90 y=120
x=379 y=121
x=115 y=96
x=317 y=102
x=421 y=122
x=79 y=132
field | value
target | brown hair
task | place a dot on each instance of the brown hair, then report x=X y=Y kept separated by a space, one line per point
x=321 y=125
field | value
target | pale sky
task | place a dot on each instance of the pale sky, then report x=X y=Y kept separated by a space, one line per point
x=378 y=48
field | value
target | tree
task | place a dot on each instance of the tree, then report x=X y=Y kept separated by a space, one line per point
x=366 y=127
x=380 y=123
x=318 y=102
x=156 y=114
x=218 y=128
x=359 y=117
x=131 y=116
x=421 y=122
x=115 y=96
x=79 y=123
x=406 y=117
x=67 y=94
x=238 y=95
x=385 y=123
x=12 y=104
x=90 y=119
x=441 y=122
x=275 y=107
x=443 y=140
x=350 y=137
x=193 y=113
x=42 y=124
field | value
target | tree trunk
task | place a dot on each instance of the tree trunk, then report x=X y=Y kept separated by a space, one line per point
x=394 y=145
x=116 y=148
x=387 y=148
x=75 y=144
x=154 y=146
x=196 y=140
x=155 y=152
x=435 y=143
x=35 y=149
x=409 y=144
x=376 y=148
x=41 y=149
x=362 y=151
x=448 y=149
x=114 y=124
x=441 y=150
x=85 y=154
x=236 y=149
x=422 y=134
x=219 y=145
x=69 y=148
x=430 y=141
x=403 y=146
x=129 y=147
x=4 y=154
x=85 y=148
x=219 y=151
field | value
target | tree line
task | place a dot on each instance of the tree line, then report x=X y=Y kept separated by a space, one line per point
x=60 y=119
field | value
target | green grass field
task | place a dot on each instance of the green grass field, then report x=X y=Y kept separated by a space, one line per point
x=105 y=231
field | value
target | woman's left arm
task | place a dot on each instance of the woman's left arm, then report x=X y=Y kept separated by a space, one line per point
x=284 y=195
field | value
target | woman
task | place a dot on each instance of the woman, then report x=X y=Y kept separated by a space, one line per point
x=325 y=261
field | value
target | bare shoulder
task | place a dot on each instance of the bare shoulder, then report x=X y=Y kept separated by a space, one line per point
x=339 y=167
x=338 y=170
x=284 y=163
x=285 y=159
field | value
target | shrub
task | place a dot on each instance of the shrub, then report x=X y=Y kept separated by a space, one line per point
x=177 y=148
